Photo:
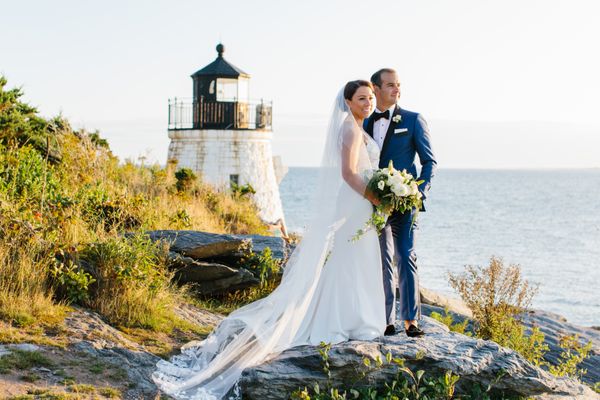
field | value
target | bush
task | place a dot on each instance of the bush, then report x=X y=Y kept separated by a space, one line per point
x=498 y=297
x=132 y=284
x=185 y=180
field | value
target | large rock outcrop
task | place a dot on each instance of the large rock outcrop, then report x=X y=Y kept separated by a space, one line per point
x=213 y=262
x=475 y=361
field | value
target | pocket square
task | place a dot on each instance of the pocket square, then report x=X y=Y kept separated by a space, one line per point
x=401 y=130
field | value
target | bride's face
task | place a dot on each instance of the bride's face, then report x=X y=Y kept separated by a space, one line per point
x=361 y=104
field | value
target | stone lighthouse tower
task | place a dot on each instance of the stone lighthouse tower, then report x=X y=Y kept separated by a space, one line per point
x=224 y=136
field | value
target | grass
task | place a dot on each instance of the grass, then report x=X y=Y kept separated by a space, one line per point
x=22 y=360
x=65 y=202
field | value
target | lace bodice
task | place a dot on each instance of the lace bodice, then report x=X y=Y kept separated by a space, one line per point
x=372 y=150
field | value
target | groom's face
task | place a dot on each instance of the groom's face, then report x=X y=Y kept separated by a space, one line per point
x=389 y=92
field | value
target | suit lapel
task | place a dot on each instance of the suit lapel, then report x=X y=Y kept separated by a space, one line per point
x=390 y=131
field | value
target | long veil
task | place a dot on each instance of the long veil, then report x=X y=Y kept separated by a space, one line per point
x=260 y=330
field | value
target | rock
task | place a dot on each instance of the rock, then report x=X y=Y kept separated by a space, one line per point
x=24 y=347
x=279 y=248
x=189 y=270
x=241 y=280
x=554 y=326
x=475 y=361
x=457 y=306
x=201 y=245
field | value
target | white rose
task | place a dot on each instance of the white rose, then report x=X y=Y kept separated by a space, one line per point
x=381 y=185
x=400 y=190
x=414 y=189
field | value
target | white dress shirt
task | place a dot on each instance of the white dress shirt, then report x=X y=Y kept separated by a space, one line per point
x=381 y=126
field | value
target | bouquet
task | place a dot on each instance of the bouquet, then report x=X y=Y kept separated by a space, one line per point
x=396 y=190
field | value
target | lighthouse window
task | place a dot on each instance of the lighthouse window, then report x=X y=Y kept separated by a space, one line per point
x=235 y=179
x=226 y=89
x=211 y=88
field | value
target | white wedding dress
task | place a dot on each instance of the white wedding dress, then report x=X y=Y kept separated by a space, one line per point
x=331 y=290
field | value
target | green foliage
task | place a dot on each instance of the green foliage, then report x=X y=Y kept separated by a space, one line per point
x=262 y=265
x=71 y=281
x=185 y=180
x=241 y=190
x=19 y=359
x=448 y=320
x=495 y=294
x=406 y=384
x=132 y=283
x=573 y=353
x=24 y=175
x=498 y=296
x=63 y=192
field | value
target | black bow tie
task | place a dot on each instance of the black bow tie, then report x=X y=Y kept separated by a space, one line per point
x=385 y=114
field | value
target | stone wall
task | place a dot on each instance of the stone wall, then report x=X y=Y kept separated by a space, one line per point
x=216 y=155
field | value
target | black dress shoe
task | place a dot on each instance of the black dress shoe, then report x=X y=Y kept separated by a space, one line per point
x=414 y=331
x=390 y=330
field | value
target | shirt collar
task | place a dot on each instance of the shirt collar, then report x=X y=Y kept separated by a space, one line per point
x=392 y=109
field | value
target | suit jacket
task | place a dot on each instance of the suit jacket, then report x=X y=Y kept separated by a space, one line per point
x=403 y=141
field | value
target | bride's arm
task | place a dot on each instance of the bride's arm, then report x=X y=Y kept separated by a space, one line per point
x=351 y=142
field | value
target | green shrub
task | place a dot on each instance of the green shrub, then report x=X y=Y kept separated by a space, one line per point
x=132 y=284
x=241 y=190
x=262 y=265
x=498 y=297
x=573 y=353
x=448 y=320
x=185 y=180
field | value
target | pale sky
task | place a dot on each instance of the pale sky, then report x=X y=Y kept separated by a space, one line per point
x=504 y=84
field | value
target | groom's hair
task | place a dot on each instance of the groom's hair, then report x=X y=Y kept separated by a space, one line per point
x=376 y=77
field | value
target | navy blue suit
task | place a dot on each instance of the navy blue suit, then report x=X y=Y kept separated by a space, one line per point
x=404 y=140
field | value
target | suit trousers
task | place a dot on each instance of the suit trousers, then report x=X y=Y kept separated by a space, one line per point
x=397 y=241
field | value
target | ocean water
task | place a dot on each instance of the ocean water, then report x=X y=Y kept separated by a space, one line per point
x=547 y=221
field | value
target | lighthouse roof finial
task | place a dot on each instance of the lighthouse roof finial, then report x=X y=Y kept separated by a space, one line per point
x=221 y=68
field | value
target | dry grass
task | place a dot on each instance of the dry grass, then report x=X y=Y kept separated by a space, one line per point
x=25 y=296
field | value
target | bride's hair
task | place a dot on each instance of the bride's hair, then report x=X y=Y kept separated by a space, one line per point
x=352 y=86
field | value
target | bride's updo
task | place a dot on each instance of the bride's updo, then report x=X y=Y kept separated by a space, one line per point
x=352 y=86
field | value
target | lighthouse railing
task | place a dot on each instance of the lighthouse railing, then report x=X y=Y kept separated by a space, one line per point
x=206 y=114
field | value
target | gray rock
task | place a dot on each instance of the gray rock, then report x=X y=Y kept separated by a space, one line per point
x=189 y=270
x=279 y=248
x=24 y=347
x=454 y=305
x=476 y=361
x=201 y=245
x=241 y=280
x=554 y=326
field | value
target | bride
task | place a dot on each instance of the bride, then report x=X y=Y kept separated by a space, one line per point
x=331 y=289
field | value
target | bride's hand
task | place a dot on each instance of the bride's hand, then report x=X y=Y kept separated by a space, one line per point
x=372 y=198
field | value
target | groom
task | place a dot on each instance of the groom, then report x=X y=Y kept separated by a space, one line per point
x=400 y=135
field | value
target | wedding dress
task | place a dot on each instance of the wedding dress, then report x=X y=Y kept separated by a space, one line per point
x=331 y=290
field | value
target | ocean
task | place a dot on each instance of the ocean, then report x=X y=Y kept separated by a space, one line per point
x=546 y=221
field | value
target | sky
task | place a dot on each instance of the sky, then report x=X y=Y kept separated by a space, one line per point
x=503 y=84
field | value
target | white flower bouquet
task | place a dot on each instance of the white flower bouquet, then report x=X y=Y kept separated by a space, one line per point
x=396 y=190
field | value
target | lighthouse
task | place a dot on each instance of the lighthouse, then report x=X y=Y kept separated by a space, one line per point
x=225 y=137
